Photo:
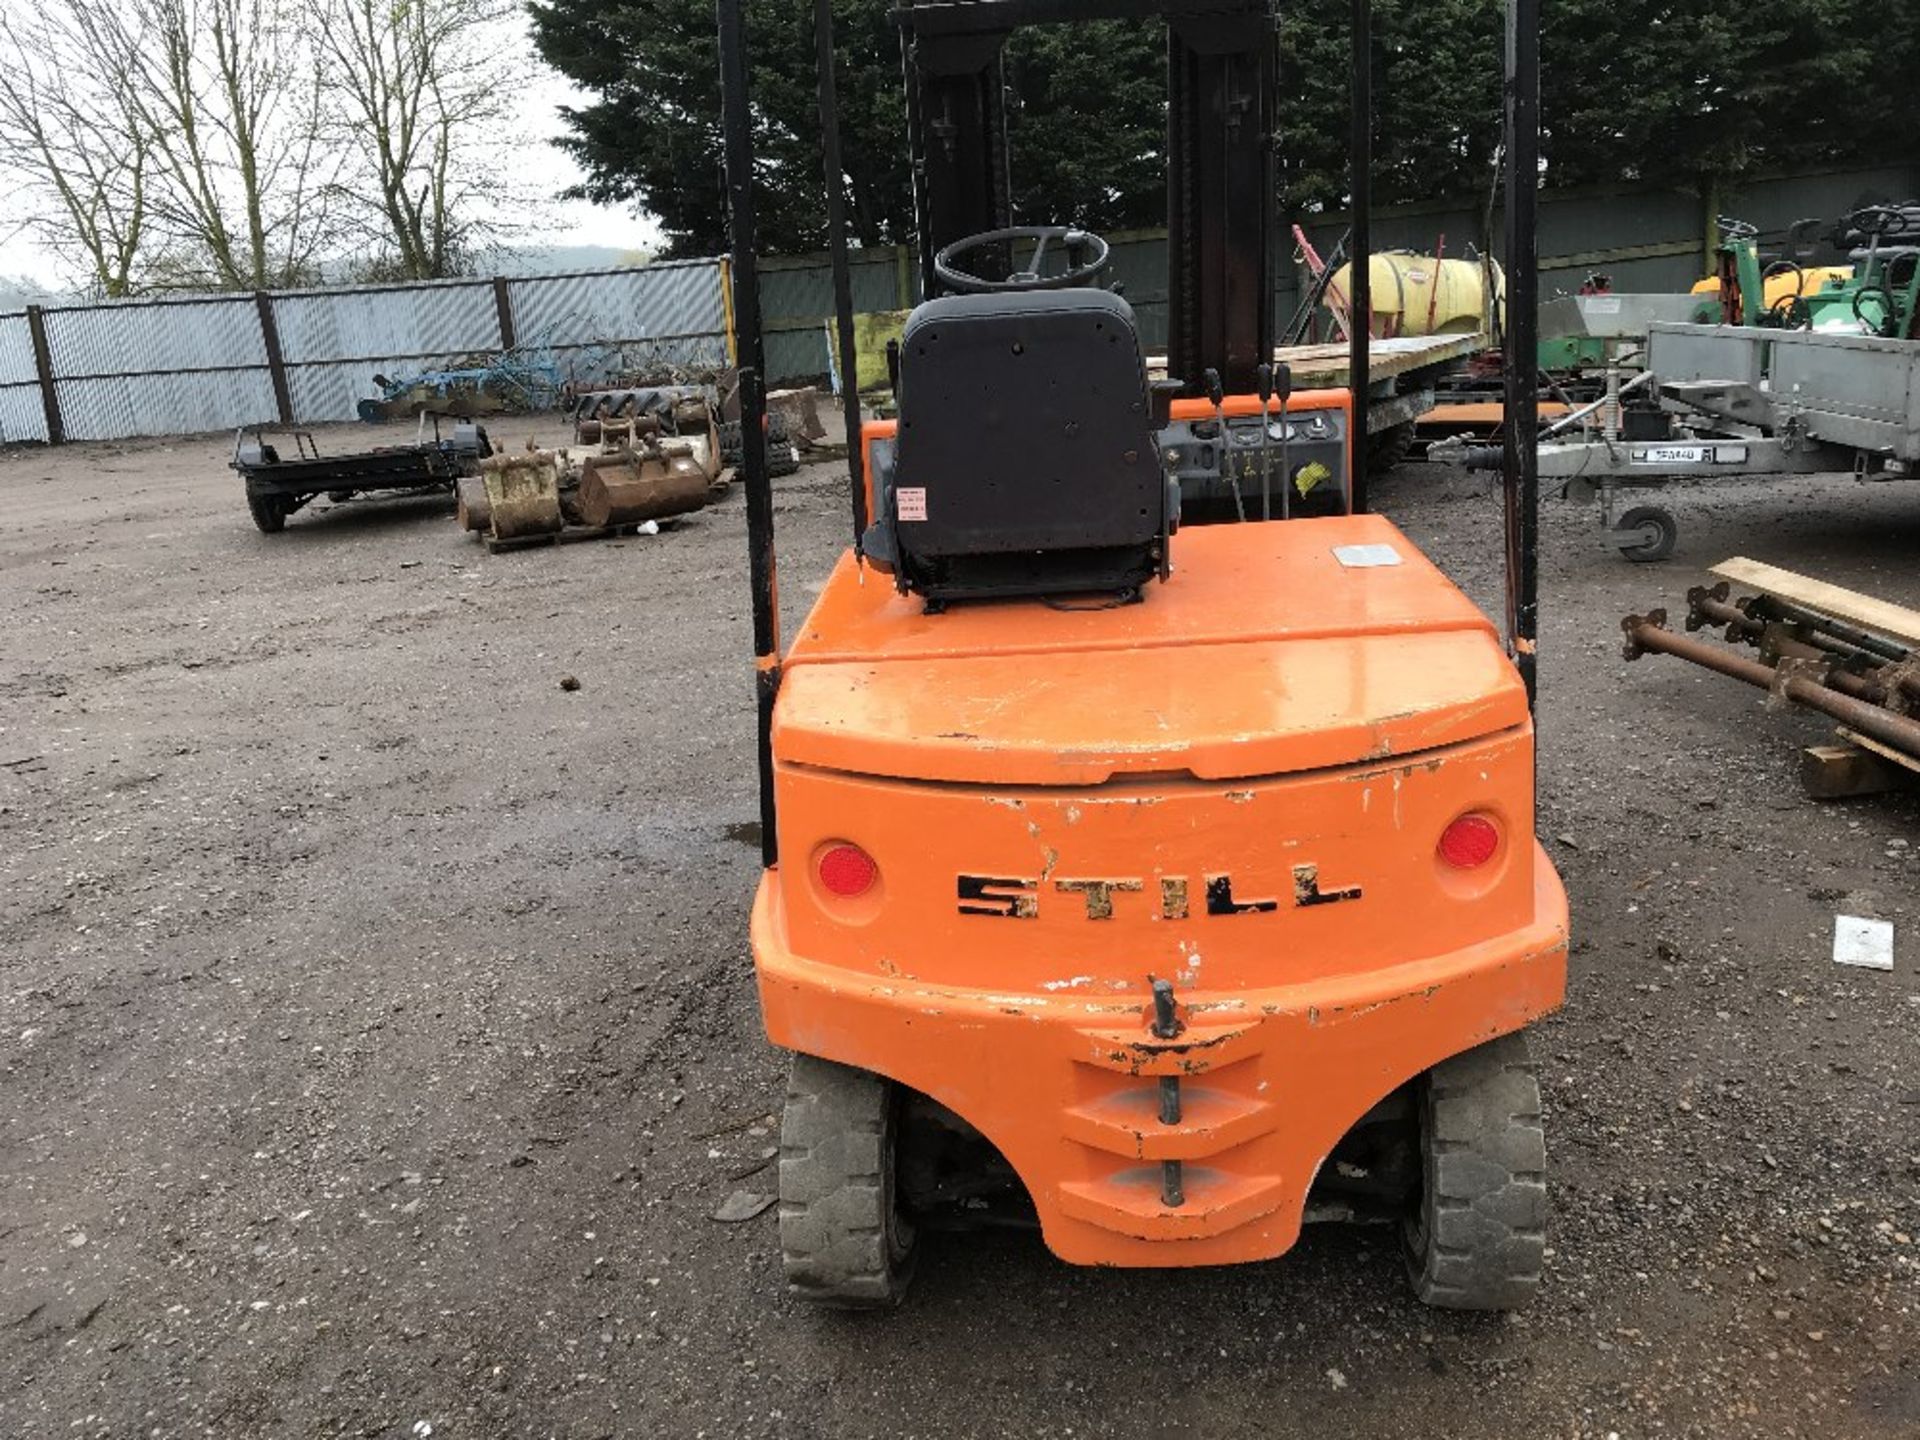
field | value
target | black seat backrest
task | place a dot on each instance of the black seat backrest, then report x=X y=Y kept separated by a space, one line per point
x=1026 y=460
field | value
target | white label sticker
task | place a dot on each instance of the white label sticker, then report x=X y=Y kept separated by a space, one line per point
x=1673 y=455
x=912 y=501
x=1366 y=557
x=1603 y=305
x=1866 y=943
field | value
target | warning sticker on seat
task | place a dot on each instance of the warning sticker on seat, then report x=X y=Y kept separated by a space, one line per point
x=912 y=502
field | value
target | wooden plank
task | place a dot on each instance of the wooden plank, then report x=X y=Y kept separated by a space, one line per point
x=1840 y=772
x=1318 y=367
x=1896 y=622
x=1315 y=366
x=1489 y=413
x=1885 y=752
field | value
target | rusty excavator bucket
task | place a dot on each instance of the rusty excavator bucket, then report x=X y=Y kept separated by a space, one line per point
x=522 y=495
x=659 y=477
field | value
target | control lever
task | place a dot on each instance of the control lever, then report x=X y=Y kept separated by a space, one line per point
x=1216 y=392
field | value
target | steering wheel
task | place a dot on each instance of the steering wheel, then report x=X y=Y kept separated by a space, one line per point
x=955 y=277
x=1883 y=220
x=1732 y=230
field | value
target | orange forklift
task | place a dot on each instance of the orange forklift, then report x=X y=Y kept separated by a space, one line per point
x=1168 y=886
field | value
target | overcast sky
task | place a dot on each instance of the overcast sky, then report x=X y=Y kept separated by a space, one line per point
x=547 y=170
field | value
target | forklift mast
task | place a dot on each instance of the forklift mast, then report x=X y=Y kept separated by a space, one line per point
x=1221 y=79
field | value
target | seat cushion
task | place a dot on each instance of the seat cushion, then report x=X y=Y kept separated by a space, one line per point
x=1025 y=427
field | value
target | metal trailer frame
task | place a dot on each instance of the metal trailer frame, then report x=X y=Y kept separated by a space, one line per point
x=971 y=199
x=1736 y=400
x=276 y=486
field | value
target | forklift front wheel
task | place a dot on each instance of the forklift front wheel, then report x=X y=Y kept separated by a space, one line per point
x=1664 y=532
x=843 y=1240
x=1477 y=1236
x=269 y=513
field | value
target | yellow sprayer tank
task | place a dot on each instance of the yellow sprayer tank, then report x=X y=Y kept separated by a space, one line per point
x=1784 y=283
x=1418 y=295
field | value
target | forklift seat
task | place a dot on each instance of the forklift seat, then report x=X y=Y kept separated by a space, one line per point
x=1026 y=460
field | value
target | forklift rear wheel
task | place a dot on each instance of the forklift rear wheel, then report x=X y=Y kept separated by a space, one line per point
x=1477 y=1235
x=843 y=1239
x=1666 y=531
x=269 y=513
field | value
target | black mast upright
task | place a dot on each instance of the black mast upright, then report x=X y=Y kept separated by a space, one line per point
x=842 y=265
x=1521 y=457
x=750 y=353
x=1360 y=269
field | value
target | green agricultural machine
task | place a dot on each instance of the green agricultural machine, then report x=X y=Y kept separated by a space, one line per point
x=1790 y=368
x=1877 y=293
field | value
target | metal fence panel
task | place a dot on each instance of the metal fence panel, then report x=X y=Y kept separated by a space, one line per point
x=656 y=304
x=157 y=368
x=796 y=301
x=165 y=404
x=16 y=352
x=22 y=416
x=154 y=338
x=436 y=323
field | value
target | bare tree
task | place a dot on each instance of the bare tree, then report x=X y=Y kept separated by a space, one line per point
x=226 y=91
x=242 y=144
x=418 y=101
x=168 y=143
x=79 y=152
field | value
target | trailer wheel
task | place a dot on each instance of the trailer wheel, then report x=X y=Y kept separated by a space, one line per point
x=1388 y=448
x=843 y=1240
x=269 y=513
x=1666 y=532
x=1477 y=1235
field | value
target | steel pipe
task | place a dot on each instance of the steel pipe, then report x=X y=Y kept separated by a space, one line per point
x=1711 y=607
x=1771 y=608
x=1648 y=632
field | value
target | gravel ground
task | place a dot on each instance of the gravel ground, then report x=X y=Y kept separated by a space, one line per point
x=377 y=1033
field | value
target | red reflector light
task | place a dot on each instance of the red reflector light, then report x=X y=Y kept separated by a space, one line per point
x=847 y=871
x=1469 y=842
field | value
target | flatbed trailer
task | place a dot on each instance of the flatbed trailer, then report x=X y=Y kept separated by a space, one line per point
x=1404 y=375
x=1732 y=400
x=277 y=484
